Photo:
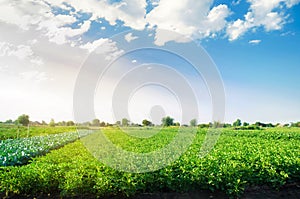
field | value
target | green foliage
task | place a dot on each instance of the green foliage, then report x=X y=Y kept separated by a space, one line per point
x=96 y=122
x=19 y=151
x=297 y=124
x=193 y=122
x=237 y=123
x=102 y=124
x=23 y=119
x=125 y=122
x=245 y=124
x=146 y=122
x=70 y=123
x=241 y=158
x=14 y=131
x=52 y=123
x=167 y=121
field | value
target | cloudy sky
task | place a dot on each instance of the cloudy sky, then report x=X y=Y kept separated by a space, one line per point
x=253 y=43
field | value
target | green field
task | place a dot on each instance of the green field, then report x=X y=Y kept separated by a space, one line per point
x=241 y=158
x=14 y=131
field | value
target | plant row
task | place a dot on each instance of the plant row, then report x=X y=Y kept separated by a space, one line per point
x=20 y=151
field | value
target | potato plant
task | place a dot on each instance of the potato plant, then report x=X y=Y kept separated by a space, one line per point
x=240 y=159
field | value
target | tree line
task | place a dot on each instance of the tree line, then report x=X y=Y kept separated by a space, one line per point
x=165 y=121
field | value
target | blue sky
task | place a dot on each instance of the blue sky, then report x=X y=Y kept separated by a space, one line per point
x=253 y=43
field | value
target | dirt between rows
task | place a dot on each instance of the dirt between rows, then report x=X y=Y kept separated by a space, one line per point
x=288 y=191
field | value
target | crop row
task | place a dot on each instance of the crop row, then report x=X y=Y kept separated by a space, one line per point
x=236 y=162
x=20 y=151
x=15 y=131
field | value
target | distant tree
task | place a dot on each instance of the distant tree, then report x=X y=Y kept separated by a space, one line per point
x=203 y=125
x=238 y=122
x=167 y=121
x=146 y=122
x=270 y=125
x=62 y=123
x=52 y=123
x=217 y=124
x=23 y=119
x=118 y=123
x=108 y=124
x=125 y=122
x=177 y=124
x=102 y=124
x=86 y=124
x=96 y=122
x=227 y=125
x=70 y=123
x=8 y=121
x=245 y=124
x=260 y=124
x=296 y=124
x=44 y=123
x=193 y=122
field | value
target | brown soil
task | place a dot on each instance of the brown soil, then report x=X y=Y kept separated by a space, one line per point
x=289 y=191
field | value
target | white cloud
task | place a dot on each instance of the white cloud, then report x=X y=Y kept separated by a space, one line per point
x=21 y=52
x=190 y=18
x=134 y=61
x=22 y=13
x=269 y=14
x=34 y=75
x=236 y=29
x=216 y=20
x=129 y=37
x=108 y=48
x=61 y=35
x=236 y=2
x=256 y=41
x=91 y=46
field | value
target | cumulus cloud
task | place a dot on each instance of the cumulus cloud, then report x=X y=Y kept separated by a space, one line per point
x=103 y=46
x=269 y=14
x=129 y=37
x=21 y=52
x=190 y=18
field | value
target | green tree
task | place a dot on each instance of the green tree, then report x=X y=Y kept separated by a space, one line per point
x=125 y=122
x=167 y=121
x=96 y=122
x=193 y=122
x=238 y=122
x=8 y=121
x=245 y=124
x=52 y=123
x=70 y=123
x=146 y=122
x=102 y=124
x=23 y=119
x=217 y=124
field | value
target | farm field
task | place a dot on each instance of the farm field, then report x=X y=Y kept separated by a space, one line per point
x=240 y=159
x=14 y=131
